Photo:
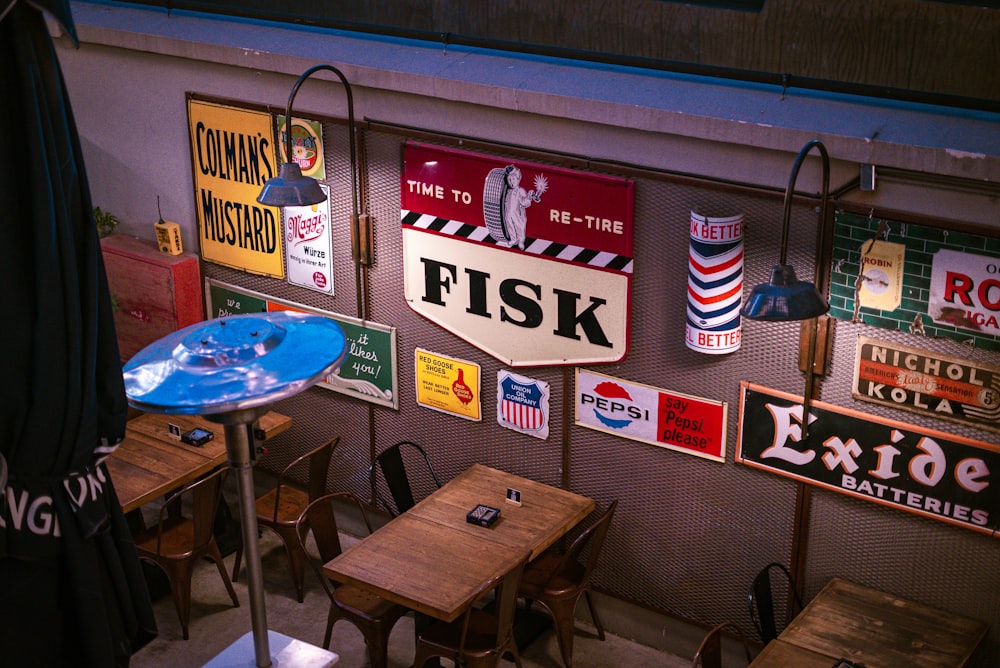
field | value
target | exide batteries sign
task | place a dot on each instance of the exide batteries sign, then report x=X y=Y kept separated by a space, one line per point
x=930 y=473
x=530 y=263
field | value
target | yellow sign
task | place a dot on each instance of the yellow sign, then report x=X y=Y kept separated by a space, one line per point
x=232 y=155
x=307 y=146
x=881 y=275
x=448 y=385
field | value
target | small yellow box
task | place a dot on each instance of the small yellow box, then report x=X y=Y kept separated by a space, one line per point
x=168 y=238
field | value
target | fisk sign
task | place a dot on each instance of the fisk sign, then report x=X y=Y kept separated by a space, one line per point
x=530 y=263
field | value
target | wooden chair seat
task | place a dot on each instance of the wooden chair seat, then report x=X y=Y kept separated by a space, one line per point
x=176 y=543
x=363 y=604
x=279 y=508
x=557 y=581
x=282 y=507
x=550 y=573
x=480 y=637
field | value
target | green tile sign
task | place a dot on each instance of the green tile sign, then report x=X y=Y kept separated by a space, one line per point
x=368 y=371
x=928 y=281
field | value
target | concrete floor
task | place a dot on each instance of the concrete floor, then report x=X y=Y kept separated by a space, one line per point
x=216 y=624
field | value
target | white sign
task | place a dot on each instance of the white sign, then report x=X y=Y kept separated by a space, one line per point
x=530 y=263
x=309 y=245
x=965 y=291
x=643 y=413
x=519 y=308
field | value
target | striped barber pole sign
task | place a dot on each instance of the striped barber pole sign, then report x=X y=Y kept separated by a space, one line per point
x=523 y=404
x=715 y=284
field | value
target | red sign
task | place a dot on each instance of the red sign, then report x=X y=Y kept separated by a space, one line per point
x=573 y=208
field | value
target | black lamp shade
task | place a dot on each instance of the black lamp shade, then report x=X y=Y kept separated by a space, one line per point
x=784 y=298
x=291 y=188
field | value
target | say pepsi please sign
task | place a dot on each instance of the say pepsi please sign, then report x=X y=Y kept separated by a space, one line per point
x=643 y=413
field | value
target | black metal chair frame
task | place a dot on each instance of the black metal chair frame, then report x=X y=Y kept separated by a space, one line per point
x=390 y=462
x=760 y=600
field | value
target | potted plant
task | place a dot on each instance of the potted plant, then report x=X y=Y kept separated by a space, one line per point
x=106 y=222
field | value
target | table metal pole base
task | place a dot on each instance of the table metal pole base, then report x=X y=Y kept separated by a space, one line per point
x=288 y=653
x=239 y=440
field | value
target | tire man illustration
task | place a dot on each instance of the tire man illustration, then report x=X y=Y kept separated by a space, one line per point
x=507 y=218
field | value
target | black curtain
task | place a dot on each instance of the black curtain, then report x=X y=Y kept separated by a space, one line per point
x=71 y=588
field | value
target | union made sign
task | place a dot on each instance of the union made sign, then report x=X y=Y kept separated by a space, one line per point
x=922 y=471
x=530 y=263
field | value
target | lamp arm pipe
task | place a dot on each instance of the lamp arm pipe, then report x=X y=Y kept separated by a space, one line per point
x=790 y=190
x=811 y=326
x=810 y=375
x=350 y=125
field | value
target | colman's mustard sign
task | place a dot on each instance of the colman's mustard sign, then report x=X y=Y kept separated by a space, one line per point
x=232 y=155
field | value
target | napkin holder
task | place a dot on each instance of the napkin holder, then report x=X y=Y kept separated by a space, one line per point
x=483 y=515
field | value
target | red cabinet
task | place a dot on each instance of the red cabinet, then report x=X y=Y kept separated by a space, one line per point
x=154 y=293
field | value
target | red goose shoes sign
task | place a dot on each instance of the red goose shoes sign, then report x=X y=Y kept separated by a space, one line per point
x=530 y=263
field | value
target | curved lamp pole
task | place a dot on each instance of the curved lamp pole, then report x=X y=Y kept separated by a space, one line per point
x=292 y=188
x=786 y=298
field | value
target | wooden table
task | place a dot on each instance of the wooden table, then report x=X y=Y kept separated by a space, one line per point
x=864 y=625
x=431 y=560
x=781 y=654
x=149 y=462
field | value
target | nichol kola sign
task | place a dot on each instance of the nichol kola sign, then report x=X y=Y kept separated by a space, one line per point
x=530 y=263
x=921 y=381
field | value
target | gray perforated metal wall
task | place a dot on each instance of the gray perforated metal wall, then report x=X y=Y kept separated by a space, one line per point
x=690 y=533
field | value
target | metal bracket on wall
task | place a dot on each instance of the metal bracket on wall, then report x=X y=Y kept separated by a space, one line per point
x=824 y=345
x=867 y=177
x=361 y=239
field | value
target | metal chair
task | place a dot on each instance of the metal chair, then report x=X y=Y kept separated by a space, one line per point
x=279 y=509
x=760 y=600
x=557 y=581
x=371 y=614
x=390 y=476
x=709 y=654
x=176 y=543
x=477 y=639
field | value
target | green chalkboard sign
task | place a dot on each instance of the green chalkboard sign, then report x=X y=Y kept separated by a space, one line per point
x=368 y=371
